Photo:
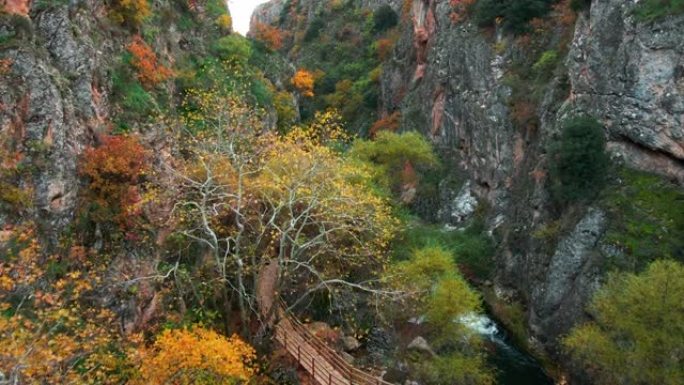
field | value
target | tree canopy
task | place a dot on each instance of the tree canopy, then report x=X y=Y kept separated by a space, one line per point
x=636 y=335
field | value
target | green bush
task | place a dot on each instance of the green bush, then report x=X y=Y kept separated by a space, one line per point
x=314 y=29
x=650 y=10
x=127 y=91
x=234 y=48
x=384 y=18
x=646 y=215
x=471 y=249
x=578 y=161
x=546 y=64
x=516 y=14
x=580 y=5
x=636 y=335
x=390 y=152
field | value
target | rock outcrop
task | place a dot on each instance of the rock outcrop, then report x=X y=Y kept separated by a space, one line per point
x=54 y=100
x=631 y=75
x=453 y=82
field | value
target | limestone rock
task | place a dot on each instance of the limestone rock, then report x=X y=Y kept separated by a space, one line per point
x=420 y=344
x=349 y=343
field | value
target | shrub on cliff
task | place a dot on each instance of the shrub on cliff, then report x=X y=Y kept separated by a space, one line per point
x=384 y=18
x=234 y=48
x=130 y=11
x=114 y=170
x=515 y=14
x=578 y=161
x=650 y=10
x=391 y=154
x=635 y=336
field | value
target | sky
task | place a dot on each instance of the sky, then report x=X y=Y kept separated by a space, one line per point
x=241 y=11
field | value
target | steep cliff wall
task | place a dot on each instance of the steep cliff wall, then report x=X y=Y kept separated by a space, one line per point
x=460 y=84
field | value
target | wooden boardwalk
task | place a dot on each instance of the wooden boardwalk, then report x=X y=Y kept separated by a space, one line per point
x=324 y=364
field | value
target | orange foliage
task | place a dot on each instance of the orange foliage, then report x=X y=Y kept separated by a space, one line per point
x=18 y=7
x=384 y=48
x=42 y=341
x=115 y=168
x=271 y=36
x=303 y=81
x=459 y=9
x=564 y=13
x=524 y=113
x=183 y=356
x=5 y=66
x=406 y=9
x=388 y=123
x=150 y=71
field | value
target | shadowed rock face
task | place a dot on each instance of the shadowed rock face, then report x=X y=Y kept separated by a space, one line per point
x=55 y=99
x=627 y=74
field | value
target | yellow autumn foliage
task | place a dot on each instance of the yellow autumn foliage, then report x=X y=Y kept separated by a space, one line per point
x=130 y=11
x=303 y=81
x=196 y=356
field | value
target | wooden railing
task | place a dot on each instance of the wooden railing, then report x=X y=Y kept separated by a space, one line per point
x=324 y=364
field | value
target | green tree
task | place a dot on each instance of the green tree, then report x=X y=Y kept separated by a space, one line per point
x=233 y=48
x=651 y=10
x=389 y=154
x=579 y=161
x=384 y=18
x=637 y=333
x=435 y=289
x=515 y=14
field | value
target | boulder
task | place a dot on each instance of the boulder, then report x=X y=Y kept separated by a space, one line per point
x=420 y=344
x=349 y=343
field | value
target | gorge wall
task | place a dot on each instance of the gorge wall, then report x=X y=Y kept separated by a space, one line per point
x=492 y=100
x=469 y=89
x=453 y=82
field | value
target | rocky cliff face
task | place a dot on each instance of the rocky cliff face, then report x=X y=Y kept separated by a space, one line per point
x=54 y=100
x=59 y=60
x=631 y=75
x=457 y=84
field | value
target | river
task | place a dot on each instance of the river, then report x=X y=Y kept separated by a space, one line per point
x=514 y=366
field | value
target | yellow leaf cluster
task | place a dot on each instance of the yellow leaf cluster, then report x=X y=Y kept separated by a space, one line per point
x=225 y=22
x=303 y=81
x=130 y=11
x=197 y=354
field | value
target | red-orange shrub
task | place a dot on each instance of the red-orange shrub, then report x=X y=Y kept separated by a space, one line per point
x=459 y=9
x=271 y=36
x=387 y=123
x=5 y=66
x=383 y=48
x=150 y=71
x=114 y=169
x=19 y=7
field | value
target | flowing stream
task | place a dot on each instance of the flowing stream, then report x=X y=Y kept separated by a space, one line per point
x=514 y=366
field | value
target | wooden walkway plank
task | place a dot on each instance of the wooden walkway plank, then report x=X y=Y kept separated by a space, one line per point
x=324 y=364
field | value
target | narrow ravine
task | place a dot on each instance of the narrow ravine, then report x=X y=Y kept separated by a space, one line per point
x=514 y=366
